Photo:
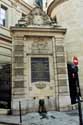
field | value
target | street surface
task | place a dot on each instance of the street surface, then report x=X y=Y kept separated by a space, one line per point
x=51 y=118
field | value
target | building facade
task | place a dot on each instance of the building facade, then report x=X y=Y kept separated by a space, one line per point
x=39 y=69
x=10 y=12
x=69 y=14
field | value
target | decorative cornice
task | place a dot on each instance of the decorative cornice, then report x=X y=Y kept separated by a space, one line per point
x=37 y=31
x=53 y=5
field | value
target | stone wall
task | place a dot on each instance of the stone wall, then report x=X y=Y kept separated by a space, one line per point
x=69 y=15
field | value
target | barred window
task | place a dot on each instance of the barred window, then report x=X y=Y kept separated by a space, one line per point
x=40 y=69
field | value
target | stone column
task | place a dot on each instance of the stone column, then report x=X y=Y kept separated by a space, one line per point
x=62 y=86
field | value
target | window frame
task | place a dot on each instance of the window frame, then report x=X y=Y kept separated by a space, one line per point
x=5 y=16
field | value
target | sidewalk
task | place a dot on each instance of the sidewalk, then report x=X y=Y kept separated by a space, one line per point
x=51 y=118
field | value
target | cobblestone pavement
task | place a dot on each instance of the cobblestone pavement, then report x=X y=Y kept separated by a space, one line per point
x=51 y=118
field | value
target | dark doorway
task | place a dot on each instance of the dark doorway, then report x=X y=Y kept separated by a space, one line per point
x=73 y=82
x=5 y=86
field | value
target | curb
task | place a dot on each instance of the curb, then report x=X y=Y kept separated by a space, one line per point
x=8 y=123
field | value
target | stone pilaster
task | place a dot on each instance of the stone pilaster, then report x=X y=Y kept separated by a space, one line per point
x=62 y=75
x=18 y=86
x=55 y=74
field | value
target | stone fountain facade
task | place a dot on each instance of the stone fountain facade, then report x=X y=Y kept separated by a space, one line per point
x=39 y=68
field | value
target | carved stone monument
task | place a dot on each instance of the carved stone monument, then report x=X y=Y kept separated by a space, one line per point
x=39 y=68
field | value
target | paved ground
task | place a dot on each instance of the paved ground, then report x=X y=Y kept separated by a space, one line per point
x=51 y=118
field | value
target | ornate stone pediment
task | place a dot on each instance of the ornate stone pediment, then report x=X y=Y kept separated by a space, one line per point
x=38 y=17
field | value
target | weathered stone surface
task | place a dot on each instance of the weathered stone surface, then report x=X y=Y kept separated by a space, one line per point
x=69 y=14
x=60 y=59
x=47 y=57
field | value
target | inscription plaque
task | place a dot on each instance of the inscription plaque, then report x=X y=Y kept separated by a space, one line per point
x=40 y=69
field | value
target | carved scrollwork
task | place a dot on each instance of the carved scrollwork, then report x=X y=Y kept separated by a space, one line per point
x=39 y=45
x=40 y=85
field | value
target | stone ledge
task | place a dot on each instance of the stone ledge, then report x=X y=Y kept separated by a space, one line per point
x=4 y=111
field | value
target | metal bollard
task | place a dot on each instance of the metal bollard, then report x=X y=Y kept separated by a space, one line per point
x=79 y=107
x=80 y=112
x=20 y=113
